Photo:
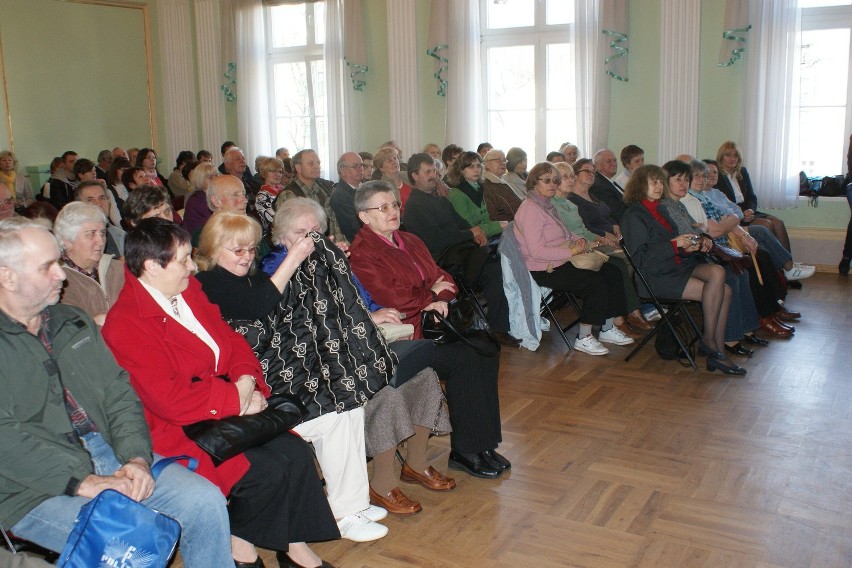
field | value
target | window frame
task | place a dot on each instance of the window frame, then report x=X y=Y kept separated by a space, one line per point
x=539 y=36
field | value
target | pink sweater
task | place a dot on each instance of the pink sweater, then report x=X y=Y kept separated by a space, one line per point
x=541 y=236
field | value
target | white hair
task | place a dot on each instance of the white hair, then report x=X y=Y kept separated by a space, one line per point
x=72 y=217
x=11 y=243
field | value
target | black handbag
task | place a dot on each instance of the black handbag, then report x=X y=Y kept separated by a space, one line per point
x=465 y=323
x=228 y=437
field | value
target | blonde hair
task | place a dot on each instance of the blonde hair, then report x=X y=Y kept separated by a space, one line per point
x=222 y=227
x=268 y=165
x=727 y=147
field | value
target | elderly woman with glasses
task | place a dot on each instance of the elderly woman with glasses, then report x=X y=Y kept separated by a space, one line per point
x=94 y=279
x=465 y=179
x=501 y=201
x=272 y=172
x=596 y=214
x=548 y=247
x=398 y=271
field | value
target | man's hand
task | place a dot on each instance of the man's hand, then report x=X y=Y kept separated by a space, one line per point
x=139 y=473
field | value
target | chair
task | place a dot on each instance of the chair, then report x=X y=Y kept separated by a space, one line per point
x=668 y=309
x=18 y=546
x=559 y=298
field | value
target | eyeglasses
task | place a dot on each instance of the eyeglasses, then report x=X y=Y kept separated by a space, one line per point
x=385 y=207
x=496 y=160
x=354 y=166
x=587 y=172
x=242 y=251
x=548 y=181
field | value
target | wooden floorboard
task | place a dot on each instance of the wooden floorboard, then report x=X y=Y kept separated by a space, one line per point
x=648 y=464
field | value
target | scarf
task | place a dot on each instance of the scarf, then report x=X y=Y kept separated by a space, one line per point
x=320 y=343
x=549 y=208
x=472 y=190
x=653 y=208
x=9 y=181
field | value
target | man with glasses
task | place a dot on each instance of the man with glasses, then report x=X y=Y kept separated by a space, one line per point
x=350 y=168
x=604 y=189
x=501 y=201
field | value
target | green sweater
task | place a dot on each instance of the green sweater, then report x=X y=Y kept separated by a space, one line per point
x=476 y=216
x=39 y=461
x=570 y=216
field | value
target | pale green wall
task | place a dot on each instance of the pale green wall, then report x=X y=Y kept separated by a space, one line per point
x=76 y=78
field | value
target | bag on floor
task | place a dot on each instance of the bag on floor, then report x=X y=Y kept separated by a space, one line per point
x=114 y=530
x=666 y=344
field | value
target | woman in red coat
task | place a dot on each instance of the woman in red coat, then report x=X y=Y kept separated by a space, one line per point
x=397 y=270
x=188 y=365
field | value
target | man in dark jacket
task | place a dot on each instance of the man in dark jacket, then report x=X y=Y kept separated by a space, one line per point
x=72 y=426
x=606 y=190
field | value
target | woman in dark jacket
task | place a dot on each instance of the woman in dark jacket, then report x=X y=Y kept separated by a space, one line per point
x=664 y=258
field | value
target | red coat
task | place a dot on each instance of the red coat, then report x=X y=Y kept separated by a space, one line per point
x=391 y=275
x=173 y=371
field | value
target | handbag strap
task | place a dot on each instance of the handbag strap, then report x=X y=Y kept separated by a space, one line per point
x=446 y=322
x=157 y=468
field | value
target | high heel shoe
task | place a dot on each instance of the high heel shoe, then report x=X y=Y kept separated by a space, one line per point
x=719 y=363
x=285 y=562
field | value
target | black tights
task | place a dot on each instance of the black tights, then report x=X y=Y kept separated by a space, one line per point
x=707 y=285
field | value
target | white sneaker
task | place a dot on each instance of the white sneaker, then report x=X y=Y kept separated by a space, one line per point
x=359 y=528
x=374 y=513
x=615 y=336
x=799 y=271
x=590 y=345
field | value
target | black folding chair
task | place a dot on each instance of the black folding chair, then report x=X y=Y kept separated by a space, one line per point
x=557 y=299
x=668 y=309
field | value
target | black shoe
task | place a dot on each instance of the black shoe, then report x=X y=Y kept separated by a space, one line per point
x=704 y=350
x=258 y=563
x=738 y=349
x=719 y=363
x=843 y=267
x=755 y=340
x=496 y=460
x=474 y=465
x=794 y=284
x=504 y=338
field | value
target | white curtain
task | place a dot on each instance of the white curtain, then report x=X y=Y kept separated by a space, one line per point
x=770 y=135
x=464 y=76
x=337 y=85
x=592 y=86
x=252 y=95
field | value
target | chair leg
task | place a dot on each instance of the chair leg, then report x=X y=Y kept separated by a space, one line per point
x=552 y=316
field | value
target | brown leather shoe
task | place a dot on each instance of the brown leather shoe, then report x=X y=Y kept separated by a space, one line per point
x=430 y=479
x=395 y=502
x=769 y=325
x=628 y=331
x=639 y=323
x=787 y=315
x=784 y=324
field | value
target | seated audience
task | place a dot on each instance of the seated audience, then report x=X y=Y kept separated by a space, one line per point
x=308 y=183
x=187 y=365
x=7 y=202
x=666 y=261
x=282 y=154
x=632 y=157
x=516 y=171
x=433 y=150
x=350 y=170
x=570 y=151
x=596 y=214
x=197 y=211
x=367 y=159
x=49 y=472
x=604 y=189
x=387 y=163
x=501 y=201
x=104 y=161
x=84 y=170
x=398 y=272
x=555 y=157
x=178 y=184
x=204 y=157
x=134 y=177
x=465 y=179
x=450 y=154
x=272 y=172
x=93 y=192
x=548 y=246
x=147 y=201
x=113 y=180
x=146 y=159
x=63 y=181
x=17 y=183
x=483 y=149
x=94 y=277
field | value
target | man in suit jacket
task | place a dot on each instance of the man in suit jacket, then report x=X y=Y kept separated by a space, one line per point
x=308 y=183
x=606 y=190
x=350 y=168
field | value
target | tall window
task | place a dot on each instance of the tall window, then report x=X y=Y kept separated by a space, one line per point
x=295 y=36
x=528 y=74
x=825 y=111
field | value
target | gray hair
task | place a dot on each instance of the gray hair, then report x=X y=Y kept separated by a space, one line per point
x=293 y=208
x=367 y=190
x=11 y=243
x=698 y=167
x=213 y=187
x=72 y=217
x=200 y=176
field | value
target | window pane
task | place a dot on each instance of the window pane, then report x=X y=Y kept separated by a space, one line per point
x=825 y=67
x=321 y=112
x=821 y=3
x=319 y=23
x=509 y=13
x=513 y=128
x=561 y=115
x=822 y=133
x=291 y=105
x=511 y=77
x=286 y=27
x=560 y=12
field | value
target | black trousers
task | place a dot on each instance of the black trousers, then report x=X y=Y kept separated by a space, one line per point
x=491 y=280
x=602 y=292
x=280 y=498
x=472 y=396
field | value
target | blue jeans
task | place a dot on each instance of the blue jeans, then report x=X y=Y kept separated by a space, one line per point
x=770 y=243
x=191 y=500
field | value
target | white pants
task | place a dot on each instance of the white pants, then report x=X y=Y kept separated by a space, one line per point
x=338 y=441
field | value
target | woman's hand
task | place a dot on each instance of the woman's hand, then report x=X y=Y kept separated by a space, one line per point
x=440 y=307
x=245 y=387
x=256 y=404
x=616 y=230
x=387 y=315
x=748 y=242
x=686 y=242
x=706 y=243
x=441 y=285
x=748 y=215
x=302 y=249
x=503 y=224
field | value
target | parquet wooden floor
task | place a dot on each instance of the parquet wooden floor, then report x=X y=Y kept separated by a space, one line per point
x=648 y=464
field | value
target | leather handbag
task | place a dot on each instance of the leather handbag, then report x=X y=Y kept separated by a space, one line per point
x=590 y=260
x=231 y=436
x=114 y=530
x=464 y=322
